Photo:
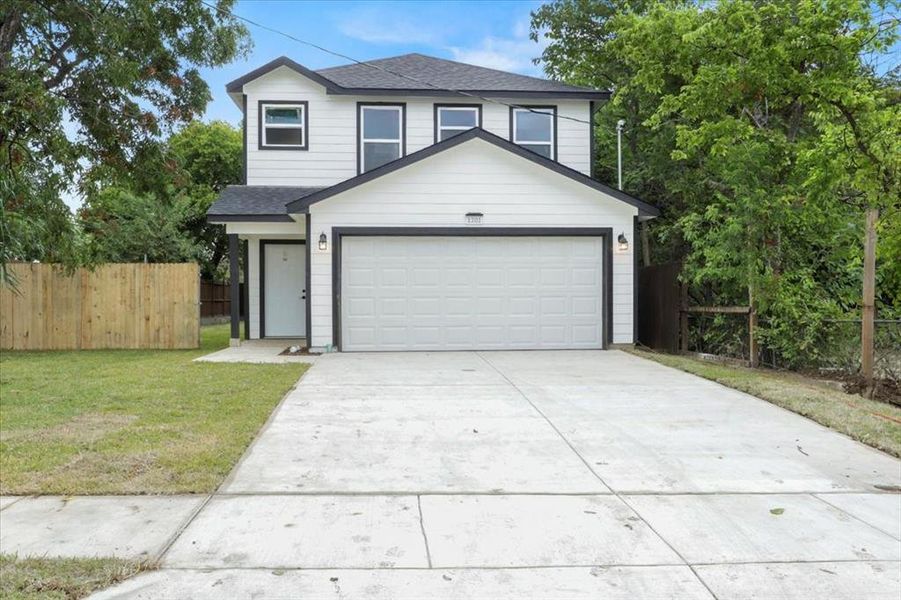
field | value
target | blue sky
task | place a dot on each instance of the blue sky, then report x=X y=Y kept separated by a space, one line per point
x=493 y=34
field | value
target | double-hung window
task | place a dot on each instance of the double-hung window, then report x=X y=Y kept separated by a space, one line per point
x=381 y=134
x=452 y=119
x=283 y=125
x=534 y=128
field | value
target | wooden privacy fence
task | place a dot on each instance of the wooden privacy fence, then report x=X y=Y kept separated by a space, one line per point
x=664 y=309
x=114 y=306
x=215 y=299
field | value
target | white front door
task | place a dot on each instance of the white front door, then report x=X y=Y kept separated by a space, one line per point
x=471 y=293
x=284 y=293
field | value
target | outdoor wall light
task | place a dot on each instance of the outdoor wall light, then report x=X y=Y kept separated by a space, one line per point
x=621 y=240
x=323 y=242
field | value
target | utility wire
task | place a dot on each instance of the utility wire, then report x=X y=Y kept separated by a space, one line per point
x=383 y=69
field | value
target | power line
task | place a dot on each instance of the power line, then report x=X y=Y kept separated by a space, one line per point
x=383 y=69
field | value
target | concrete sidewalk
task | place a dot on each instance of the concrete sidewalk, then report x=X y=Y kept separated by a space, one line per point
x=508 y=475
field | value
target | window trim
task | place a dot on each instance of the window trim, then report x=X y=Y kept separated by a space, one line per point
x=548 y=107
x=261 y=133
x=403 y=129
x=437 y=124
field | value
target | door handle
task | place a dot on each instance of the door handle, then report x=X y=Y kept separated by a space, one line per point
x=303 y=295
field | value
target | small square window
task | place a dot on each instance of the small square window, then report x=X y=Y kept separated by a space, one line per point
x=283 y=126
x=451 y=120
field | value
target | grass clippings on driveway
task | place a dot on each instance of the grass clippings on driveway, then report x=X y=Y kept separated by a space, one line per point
x=874 y=423
x=130 y=421
x=62 y=578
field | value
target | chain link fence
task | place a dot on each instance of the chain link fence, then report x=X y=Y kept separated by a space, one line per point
x=726 y=335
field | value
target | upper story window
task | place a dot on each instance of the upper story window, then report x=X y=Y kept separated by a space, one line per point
x=534 y=128
x=283 y=125
x=451 y=119
x=381 y=128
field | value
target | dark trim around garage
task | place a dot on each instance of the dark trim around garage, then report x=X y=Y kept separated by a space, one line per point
x=605 y=232
x=262 y=282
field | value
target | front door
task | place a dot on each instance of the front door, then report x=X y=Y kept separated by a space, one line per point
x=284 y=293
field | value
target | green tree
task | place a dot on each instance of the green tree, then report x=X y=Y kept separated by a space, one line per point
x=95 y=82
x=768 y=131
x=210 y=157
x=183 y=175
x=122 y=226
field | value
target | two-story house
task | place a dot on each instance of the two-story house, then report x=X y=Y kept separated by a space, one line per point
x=415 y=203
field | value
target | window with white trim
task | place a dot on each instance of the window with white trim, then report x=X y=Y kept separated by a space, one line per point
x=283 y=126
x=453 y=120
x=533 y=129
x=381 y=134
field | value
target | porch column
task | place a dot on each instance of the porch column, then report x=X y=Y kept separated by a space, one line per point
x=234 y=289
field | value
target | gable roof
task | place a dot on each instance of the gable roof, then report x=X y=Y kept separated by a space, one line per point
x=256 y=203
x=302 y=205
x=401 y=75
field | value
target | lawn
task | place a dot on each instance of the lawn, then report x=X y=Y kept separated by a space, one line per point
x=130 y=421
x=62 y=578
x=874 y=423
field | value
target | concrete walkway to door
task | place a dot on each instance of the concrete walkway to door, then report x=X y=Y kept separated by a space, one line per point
x=537 y=474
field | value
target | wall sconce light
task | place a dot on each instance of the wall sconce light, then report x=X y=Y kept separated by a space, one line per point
x=622 y=242
x=323 y=242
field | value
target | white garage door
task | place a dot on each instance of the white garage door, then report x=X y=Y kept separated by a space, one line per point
x=471 y=293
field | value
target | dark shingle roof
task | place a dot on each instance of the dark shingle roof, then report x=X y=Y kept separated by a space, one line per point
x=430 y=77
x=437 y=72
x=259 y=202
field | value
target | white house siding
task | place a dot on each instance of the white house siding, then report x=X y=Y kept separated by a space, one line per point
x=475 y=176
x=332 y=155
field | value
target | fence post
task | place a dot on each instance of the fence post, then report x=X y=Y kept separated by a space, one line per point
x=753 y=350
x=683 y=316
x=868 y=311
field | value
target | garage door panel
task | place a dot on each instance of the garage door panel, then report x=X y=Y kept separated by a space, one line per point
x=462 y=293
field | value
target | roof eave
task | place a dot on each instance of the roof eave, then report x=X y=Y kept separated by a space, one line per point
x=570 y=95
x=249 y=218
x=237 y=86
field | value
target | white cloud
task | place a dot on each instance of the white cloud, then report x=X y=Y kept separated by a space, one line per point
x=513 y=53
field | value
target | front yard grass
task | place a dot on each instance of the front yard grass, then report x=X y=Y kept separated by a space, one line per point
x=62 y=578
x=874 y=423
x=130 y=421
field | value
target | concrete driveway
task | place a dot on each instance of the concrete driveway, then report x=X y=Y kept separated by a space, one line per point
x=537 y=474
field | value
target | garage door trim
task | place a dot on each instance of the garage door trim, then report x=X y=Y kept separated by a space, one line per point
x=604 y=232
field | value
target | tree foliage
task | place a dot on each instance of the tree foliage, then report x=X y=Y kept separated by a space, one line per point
x=87 y=83
x=762 y=130
x=177 y=182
